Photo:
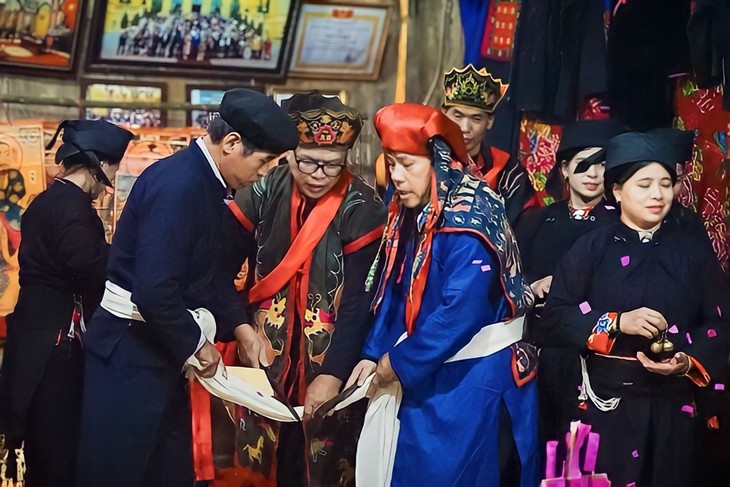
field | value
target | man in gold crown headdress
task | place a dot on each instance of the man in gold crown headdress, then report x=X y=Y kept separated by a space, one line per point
x=317 y=228
x=470 y=98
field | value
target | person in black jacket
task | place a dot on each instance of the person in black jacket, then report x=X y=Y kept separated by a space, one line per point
x=646 y=302
x=62 y=259
x=545 y=235
x=170 y=264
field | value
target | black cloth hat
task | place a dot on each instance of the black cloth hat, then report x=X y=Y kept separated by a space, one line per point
x=109 y=141
x=97 y=139
x=682 y=141
x=323 y=121
x=578 y=136
x=259 y=120
x=588 y=133
x=633 y=147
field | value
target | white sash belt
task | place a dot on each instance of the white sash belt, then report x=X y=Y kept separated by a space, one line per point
x=379 y=437
x=118 y=301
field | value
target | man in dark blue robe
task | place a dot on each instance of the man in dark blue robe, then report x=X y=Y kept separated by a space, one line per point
x=172 y=253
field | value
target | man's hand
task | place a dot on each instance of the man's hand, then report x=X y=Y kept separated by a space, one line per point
x=541 y=287
x=209 y=357
x=361 y=372
x=384 y=375
x=643 y=322
x=677 y=365
x=322 y=389
x=250 y=347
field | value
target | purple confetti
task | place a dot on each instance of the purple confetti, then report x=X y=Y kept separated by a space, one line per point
x=476 y=262
x=609 y=207
x=719 y=387
x=632 y=484
x=688 y=409
x=486 y=268
x=585 y=308
x=625 y=260
x=635 y=453
x=628 y=383
x=673 y=329
x=689 y=338
x=711 y=333
x=257 y=392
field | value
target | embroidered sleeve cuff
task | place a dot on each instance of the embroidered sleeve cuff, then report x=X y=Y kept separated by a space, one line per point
x=604 y=334
x=697 y=373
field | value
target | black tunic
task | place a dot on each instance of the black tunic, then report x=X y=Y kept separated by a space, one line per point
x=63 y=253
x=545 y=235
x=648 y=438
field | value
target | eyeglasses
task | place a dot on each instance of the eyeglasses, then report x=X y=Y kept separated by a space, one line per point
x=311 y=167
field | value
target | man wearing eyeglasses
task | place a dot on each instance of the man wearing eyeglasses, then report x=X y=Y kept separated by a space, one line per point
x=318 y=228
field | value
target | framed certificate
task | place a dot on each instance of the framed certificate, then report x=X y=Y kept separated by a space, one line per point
x=340 y=40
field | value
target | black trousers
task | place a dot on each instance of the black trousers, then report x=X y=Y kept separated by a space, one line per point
x=43 y=408
x=136 y=425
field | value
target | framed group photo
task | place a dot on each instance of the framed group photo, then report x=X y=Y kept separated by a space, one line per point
x=125 y=92
x=39 y=35
x=344 y=39
x=236 y=38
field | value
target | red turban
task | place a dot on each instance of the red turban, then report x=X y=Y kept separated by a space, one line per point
x=407 y=128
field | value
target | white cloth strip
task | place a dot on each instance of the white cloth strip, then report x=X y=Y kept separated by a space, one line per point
x=379 y=436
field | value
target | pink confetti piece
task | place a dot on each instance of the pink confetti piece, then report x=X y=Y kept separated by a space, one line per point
x=625 y=260
x=711 y=333
x=476 y=262
x=635 y=453
x=688 y=409
x=719 y=387
x=632 y=484
x=689 y=338
x=585 y=308
x=719 y=311
x=673 y=329
x=609 y=207
x=628 y=383
x=486 y=268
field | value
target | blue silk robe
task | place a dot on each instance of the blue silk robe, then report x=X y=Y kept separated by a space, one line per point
x=449 y=415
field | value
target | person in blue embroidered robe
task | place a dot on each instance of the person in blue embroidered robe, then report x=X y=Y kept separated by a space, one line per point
x=450 y=269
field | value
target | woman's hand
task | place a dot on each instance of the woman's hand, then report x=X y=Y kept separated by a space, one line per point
x=643 y=322
x=677 y=365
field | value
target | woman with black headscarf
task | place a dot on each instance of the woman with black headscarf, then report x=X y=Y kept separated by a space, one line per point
x=62 y=259
x=544 y=236
x=646 y=302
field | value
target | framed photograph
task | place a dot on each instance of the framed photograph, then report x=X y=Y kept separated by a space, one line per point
x=39 y=34
x=208 y=95
x=235 y=38
x=340 y=39
x=202 y=96
x=281 y=93
x=125 y=92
